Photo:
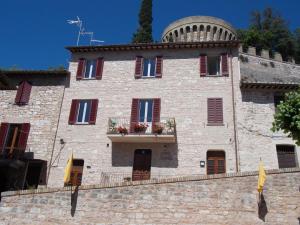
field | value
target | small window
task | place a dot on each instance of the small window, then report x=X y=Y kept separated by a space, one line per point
x=277 y=100
x=286 y=156
x=213 y=64
x=216 y=162
x=84 y=110
x=90 y=69
x=149 y=68
x=145 y=110
x=23 y=93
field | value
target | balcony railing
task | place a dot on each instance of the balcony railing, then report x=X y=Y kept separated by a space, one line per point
x=123 y=126
x=122 y=130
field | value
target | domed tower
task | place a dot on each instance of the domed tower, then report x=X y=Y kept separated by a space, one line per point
x=199 y=28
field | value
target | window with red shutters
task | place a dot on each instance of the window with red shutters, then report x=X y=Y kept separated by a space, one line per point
x=159 y=66
x=138 y=67
x=24 y=132
x=99 y=68
x=203 y=65
x=23 y=93
x=224 y=61
x=83 y=111
x=216 y=162
x=94 y=109
x=80 y=69
x=156 y=113
x=215 y=111
x=134 y=119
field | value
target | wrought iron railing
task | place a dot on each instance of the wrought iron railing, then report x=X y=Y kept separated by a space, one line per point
x=121 y=125
x=116 y=177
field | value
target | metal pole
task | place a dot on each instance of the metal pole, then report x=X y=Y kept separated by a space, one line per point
x=79 y=33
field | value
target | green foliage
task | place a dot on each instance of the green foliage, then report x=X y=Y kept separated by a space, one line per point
x=287 y=117
x=297 y=40
x=268 y=30
x=144 y=32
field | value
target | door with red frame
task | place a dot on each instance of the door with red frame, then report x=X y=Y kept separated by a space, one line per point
x=142 y=164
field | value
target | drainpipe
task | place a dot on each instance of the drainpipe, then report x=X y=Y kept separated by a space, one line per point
x=54 y=142
x=237 y=159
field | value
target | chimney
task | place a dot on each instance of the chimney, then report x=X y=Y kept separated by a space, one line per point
x=251 y=51
x=277 y=57
x=265 y=54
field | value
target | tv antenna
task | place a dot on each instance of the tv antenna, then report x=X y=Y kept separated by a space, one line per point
x=82 y=31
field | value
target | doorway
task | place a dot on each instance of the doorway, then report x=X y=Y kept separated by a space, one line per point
x=142 y=164
x=215 y=162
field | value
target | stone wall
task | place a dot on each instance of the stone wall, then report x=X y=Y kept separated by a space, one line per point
x=183 y=96
x=220 y=199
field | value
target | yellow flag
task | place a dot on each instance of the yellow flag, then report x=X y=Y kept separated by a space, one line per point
x=261 y=177
x=68 y=170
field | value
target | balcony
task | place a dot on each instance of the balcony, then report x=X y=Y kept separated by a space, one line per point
x=122 y=130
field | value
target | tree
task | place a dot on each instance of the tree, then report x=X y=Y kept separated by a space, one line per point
x=144 y=32
x=287 y=117
x=297 y=43
x=268 y=30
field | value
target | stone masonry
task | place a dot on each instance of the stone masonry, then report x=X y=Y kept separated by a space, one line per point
x=208 y=200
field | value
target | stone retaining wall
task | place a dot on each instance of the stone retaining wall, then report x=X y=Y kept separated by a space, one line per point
x=219 y=199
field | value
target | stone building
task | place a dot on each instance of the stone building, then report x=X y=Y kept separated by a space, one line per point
x=30 y=103
x=193 y=104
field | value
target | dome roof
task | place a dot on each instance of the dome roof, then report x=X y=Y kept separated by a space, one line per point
x=199 y=28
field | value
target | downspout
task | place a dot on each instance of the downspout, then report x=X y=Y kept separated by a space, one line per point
x=237 y=158
x=54 y=142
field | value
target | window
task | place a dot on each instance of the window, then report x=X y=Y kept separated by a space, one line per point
x=23 y=93
x=145 y=110
x=83 y=111
x=149 y=68
x=286 y=156
x=13 y=139
x=216 y=162
x=277 y=100
x=213 y=64
x=215 y=111
x=90 y=69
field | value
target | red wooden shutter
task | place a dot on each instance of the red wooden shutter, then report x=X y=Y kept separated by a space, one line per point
x=3 y=132
x=159 y=66
x=203 y=65
x=93 y=114
x=23 y=136
x=138 y=66
x=156 y=112
x=215 y=111
x=80 y=69
x=224 y=60
x=99 y=68
x=73 y=111
x=26 y=93
x=134 y=119
x=19 y=93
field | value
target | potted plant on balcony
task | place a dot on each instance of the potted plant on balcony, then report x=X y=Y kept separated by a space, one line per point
x=122 y=130
x=157 y=129
x=140 y=127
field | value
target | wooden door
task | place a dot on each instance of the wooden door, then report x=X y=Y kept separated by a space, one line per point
x=142 y=164
x=215 y=162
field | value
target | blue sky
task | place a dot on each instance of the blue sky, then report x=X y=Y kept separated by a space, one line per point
x=34 y=33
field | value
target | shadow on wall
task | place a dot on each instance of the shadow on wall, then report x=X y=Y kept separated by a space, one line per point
x=163 y=155
x=74 y=197
x=262 y=208
x=258 y=97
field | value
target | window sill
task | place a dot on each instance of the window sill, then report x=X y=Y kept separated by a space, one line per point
x=89 y=78
x=215 y=124
x=148 y=77
x=214 y=75
x=81 y=123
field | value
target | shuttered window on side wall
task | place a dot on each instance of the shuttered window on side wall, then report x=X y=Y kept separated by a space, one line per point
x=23 y=93
x=215 y=111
